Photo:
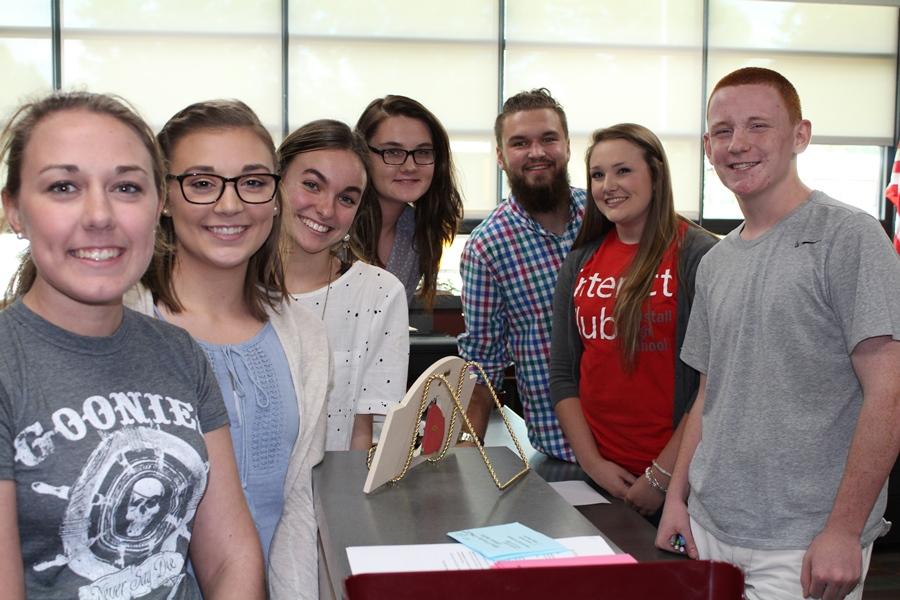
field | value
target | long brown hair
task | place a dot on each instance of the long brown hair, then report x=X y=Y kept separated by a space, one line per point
x=438 y=211
x=17 y=134
x=660 y=230
x=264 y=283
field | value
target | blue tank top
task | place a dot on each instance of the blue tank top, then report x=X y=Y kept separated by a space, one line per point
x=259 y=394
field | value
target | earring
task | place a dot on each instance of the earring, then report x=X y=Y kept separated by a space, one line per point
x=344 y=250
x=20 y=235
x=166 y=211
x=275 y=210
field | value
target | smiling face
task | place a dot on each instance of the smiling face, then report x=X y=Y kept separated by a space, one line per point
x=323 y=189
x=535 y=149
x=621 y=186
x=88 y=204
x=752 y=143
x=226 y=234
x=407 y=182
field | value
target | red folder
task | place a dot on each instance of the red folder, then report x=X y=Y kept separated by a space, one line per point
x=676 y=580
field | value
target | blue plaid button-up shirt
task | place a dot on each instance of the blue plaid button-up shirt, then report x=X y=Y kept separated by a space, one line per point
x=509 y=268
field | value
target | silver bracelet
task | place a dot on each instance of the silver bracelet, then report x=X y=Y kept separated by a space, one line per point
x=648 y=474
x=660 y=469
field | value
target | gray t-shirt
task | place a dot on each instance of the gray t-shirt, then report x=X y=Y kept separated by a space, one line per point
x=773 y=325
x=103 y=437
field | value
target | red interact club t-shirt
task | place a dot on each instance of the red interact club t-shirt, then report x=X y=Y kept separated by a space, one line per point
x=629 y=413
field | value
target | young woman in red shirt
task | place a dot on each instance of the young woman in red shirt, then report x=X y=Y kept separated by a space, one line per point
x=619 y=316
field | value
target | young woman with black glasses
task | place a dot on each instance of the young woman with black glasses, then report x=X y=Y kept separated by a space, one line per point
x=412 y=206
x=220 y=276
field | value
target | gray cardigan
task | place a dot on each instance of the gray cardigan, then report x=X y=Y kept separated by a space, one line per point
x=566 y=346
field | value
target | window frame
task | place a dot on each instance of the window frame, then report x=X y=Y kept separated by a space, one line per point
x=888 y=216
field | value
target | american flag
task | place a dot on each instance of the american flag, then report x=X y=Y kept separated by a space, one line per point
x=893 y=194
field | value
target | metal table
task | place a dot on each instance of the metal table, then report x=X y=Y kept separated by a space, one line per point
x=458 y=493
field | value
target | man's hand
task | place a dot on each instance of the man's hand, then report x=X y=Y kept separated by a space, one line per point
x=675 y=520
x=642 y=497
x=832 y=565
x=611 y=477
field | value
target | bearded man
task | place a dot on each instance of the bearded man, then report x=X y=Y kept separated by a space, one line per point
x=511 y=260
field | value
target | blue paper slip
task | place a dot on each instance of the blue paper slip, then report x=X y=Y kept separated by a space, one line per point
x=509 y=541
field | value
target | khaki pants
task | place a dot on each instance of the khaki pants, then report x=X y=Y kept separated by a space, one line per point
x=768 y=574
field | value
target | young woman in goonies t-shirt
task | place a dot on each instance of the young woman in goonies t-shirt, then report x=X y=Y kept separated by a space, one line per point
x=115 y=456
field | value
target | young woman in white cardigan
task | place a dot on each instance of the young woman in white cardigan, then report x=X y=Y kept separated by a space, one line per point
x=220 y=277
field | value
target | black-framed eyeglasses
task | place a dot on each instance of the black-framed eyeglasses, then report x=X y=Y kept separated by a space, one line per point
x=207 y=188
x=398 y=156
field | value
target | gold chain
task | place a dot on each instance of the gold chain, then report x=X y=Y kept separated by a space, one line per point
x=457 y=409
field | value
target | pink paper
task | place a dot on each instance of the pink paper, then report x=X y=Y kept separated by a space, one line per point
x=573 y=561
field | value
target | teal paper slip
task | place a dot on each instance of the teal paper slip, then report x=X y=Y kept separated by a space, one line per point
x=508 y=541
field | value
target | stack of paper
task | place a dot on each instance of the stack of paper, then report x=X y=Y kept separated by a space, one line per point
x=454 y=557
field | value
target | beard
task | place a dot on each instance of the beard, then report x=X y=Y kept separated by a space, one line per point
x=544 y=198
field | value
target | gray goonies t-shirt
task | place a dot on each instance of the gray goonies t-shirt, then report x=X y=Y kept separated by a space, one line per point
x=103 y=438
x=773 y=325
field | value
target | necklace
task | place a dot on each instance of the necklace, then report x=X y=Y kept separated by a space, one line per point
x=328 y=287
